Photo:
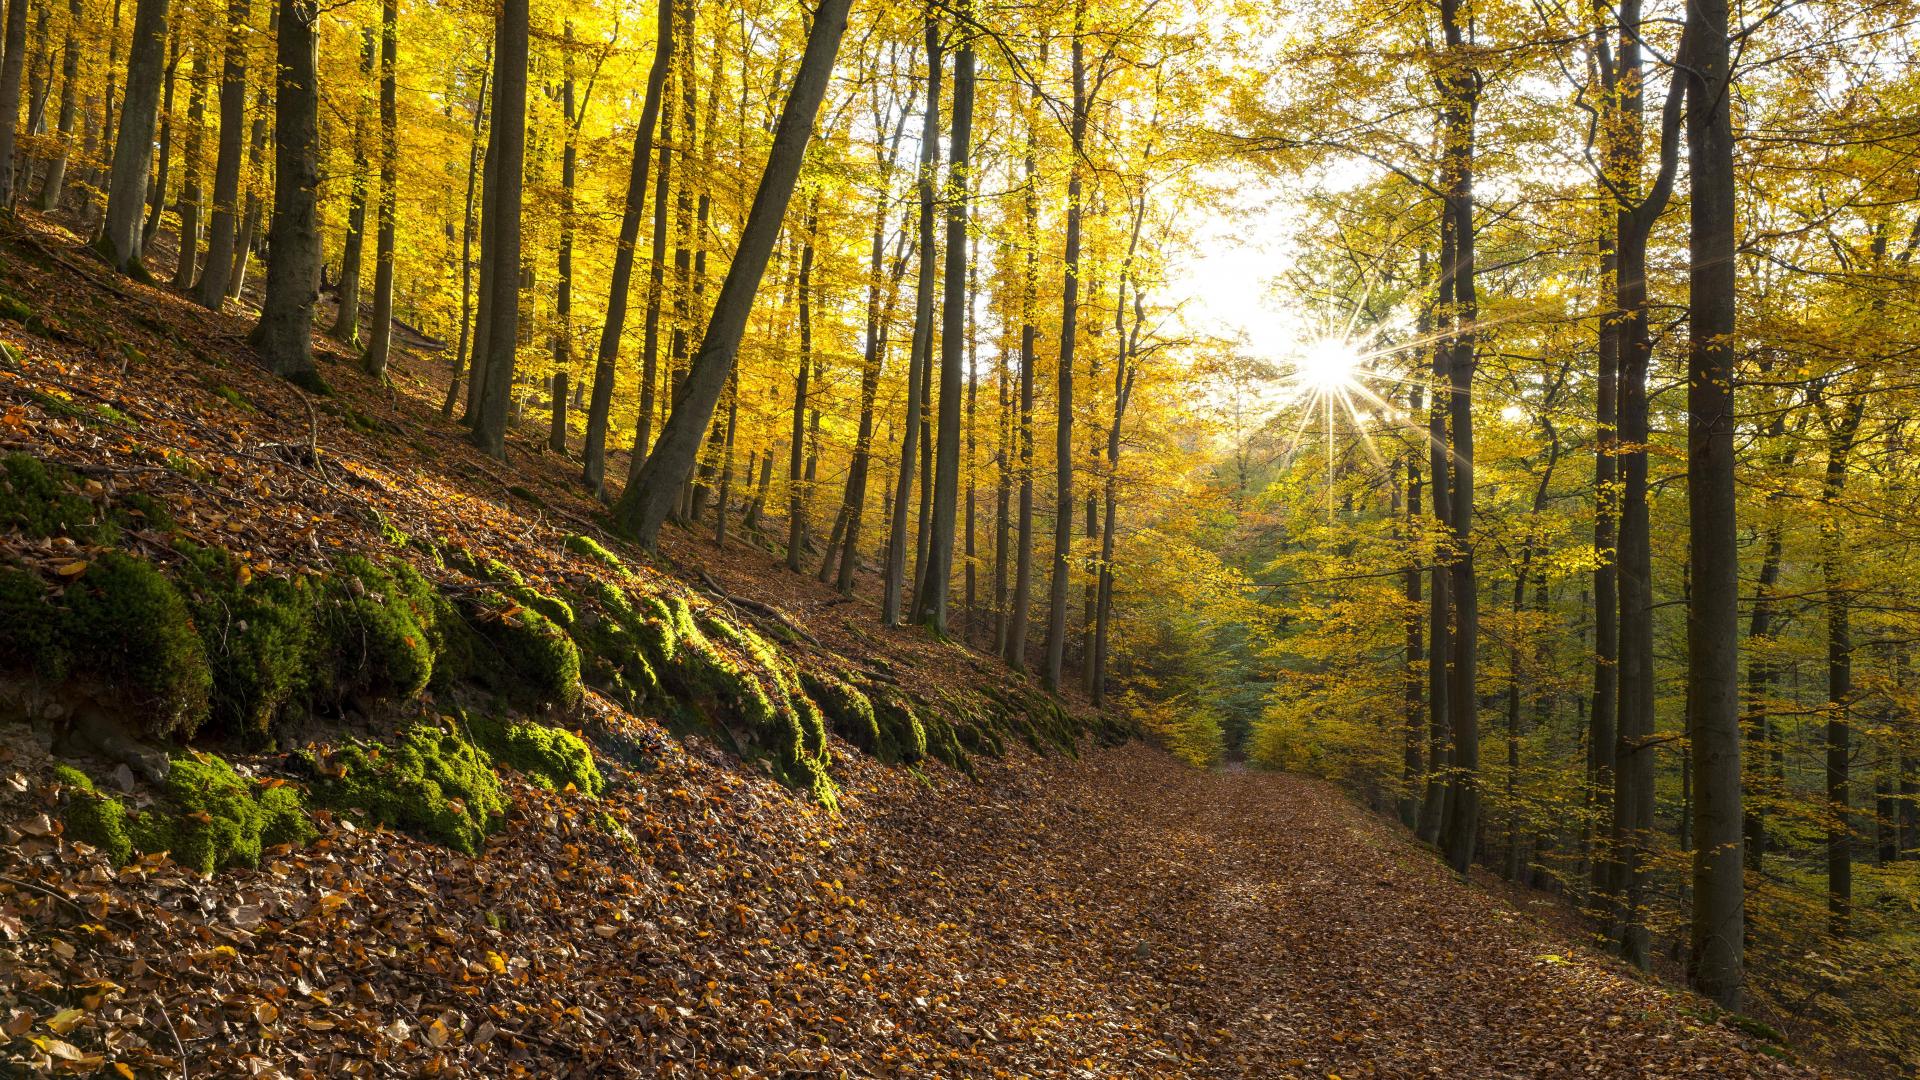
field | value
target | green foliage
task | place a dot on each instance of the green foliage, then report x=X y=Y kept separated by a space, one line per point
x=259 y=634
x=30 y=625
x=589 y=548
x=40 y=500
x=549 y=756
x=135 y=509
x=134 y=631
x=431 y=783
x=845 y=707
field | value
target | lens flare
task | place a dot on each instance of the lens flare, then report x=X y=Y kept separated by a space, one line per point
x=1327 y=365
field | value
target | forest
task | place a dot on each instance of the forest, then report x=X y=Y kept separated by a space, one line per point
x=1499 y=414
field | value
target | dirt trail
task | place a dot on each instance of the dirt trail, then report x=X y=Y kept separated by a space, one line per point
x=1243 y=923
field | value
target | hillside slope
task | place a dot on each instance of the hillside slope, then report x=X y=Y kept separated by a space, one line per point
x=722 y=888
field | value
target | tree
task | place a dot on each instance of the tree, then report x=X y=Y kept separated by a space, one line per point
x=284 y=335
x=375 y=359
x=119 y=242
x=12 y=64
x=645 y=504
x=224 y=226
x=1063 y=378
x=502 y=225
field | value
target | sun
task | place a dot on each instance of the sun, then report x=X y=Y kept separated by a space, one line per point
x=1327 y=365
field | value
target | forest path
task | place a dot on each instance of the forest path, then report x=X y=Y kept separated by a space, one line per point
x=1252 y=924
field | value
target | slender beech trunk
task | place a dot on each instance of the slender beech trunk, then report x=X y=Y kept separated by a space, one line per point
x=930 y=608
x=656 y=286
x=894 y=585
x=1433 y=805
x=190 y=193
x=1601 y=738
x=594 y=452
x=1415 y=713
x=796 y=446
x=502 y=225
x=120 y=242
x=1715 y=961
x=1063 y=388
x=346 y=319
x=12 y=67
x=157 y=193
x=563 y=276
x=256 y=175
x=53 y=180
x=224 y=226
x=374 y=362
x=1840 y=693
x=474 y=149
x=1460 y=87
x=644 y=506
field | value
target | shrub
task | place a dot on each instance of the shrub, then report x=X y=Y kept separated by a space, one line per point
x=133 y=628
x=430 y=783
x=548 y=756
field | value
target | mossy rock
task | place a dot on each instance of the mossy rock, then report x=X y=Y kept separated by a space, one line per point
x=209 y=817
x=377 y=630
x=260 y=634
x=42 y=499
x=538 y=661
x=845 y=707
x=30 y=625
x=903 y=739
x=430 y=783
x=135 y=632
x=613 y=650
x=549 y=756
x=590 y=549
x=93 y=817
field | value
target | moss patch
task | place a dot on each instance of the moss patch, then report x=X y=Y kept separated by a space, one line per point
x=30 y=630
x=92 y=817
x=217 y=820
x=136 y=633
x=549 y=756
x=903 y=738
x=41 y=499
x=259 y=634
x=378 y=633
x=613 y=637
x=845 y=707
x=430 y=782
x=590 y=549
x=539 y=663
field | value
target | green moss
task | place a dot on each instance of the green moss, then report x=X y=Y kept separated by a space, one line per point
x=742 y=676
x=902 y=736
x=30 y=625
x=613 y=654
x=942 y=741
x=137 y=510
x=40 y=499
x=209 y=817
x=92 y=817
x=12 y=307
x=134 y=631
x=430 y=782
x=233 y=397
x=549 y=756
x=309 y=379
x=537 y=659
x=590 y=549
x=260 y=636
x=377 y=636
x=846 y=708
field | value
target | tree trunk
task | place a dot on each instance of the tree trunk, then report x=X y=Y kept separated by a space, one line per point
x=502 y=227
x=1840 y=694
x=346 y=319
x=1063 y=395
x=796 y=446
x=225 y=224
x=1715 y=960
x=284 y=334
x=375 y=360
x=190 y=193
x=53 y=181
x=474 y=144
x=120 y=242
x=594 y=453
x=656 y=284
x=12 y=66
x=1433 y=804
x=644 y=506
x=894 y=585
x=930 y=608
x=157 y=193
